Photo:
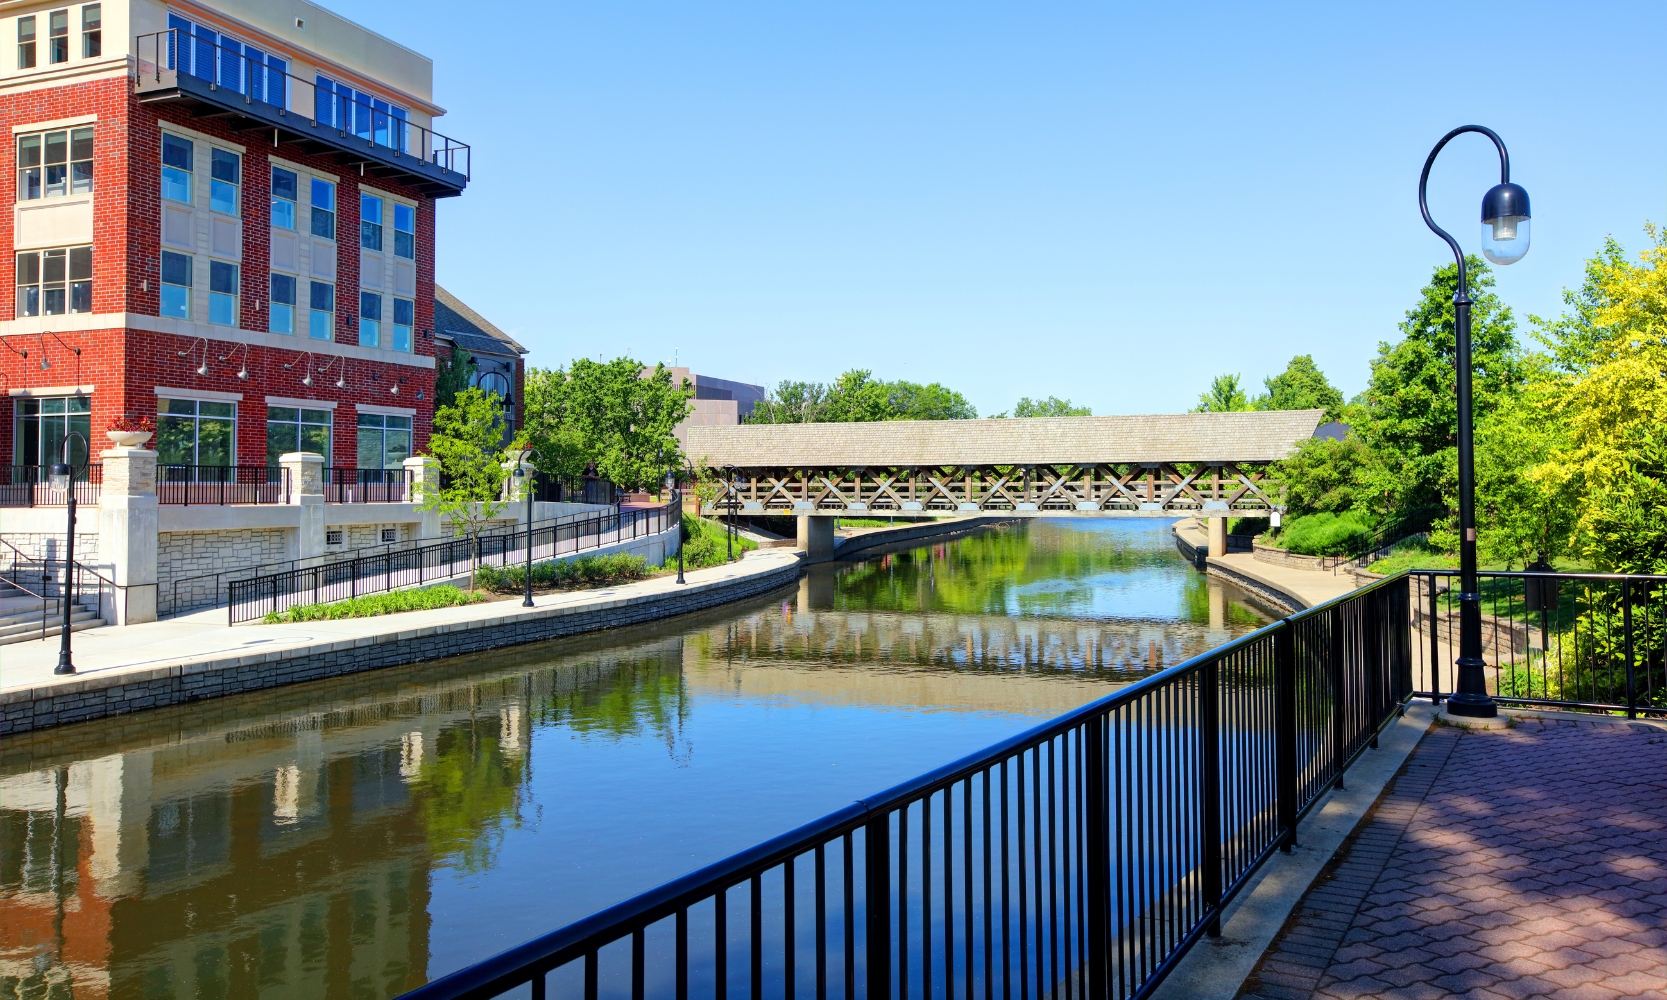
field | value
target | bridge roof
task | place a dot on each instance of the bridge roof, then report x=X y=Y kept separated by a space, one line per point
x=1181 y=437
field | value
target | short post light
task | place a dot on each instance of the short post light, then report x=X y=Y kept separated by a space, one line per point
x=525 y=483
x=62 y=476
x=1505 y=225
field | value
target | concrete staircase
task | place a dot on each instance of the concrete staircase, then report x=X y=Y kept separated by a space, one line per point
x=20 y=616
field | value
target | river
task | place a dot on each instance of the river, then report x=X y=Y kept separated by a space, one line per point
x=356 y=837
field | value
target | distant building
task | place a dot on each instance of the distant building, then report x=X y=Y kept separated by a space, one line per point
x=717 y=401
x=499 y=366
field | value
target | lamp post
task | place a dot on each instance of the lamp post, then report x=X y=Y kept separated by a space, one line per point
x=62 y=477
x=1504 y=241
x=677 y=494
x=526 y=483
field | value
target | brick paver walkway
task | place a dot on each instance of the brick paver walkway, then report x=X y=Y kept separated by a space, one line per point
x=1499 y=865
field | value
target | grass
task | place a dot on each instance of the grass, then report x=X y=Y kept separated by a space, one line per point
x=1414 y=553
x=704 y=545
x=566 y=574
x=425 y=599
x=862 y=522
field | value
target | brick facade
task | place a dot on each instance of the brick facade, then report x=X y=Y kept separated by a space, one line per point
x=126 y=363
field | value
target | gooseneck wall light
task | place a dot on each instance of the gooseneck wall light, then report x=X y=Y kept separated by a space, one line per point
x=1505 y=227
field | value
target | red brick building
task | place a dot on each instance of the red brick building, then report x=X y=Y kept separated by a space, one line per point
x=223 y=218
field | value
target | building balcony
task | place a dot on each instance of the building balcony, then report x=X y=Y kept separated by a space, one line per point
x=248 y=94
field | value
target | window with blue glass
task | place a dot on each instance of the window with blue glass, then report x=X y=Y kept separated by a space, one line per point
x=224 y=176
x=282 y=311
x=405 y=232
x=227 y=62
x=321 y=314
x=359 y=113
x=178 y=165
x=370 y=319
x=405 y=317
x=222 y=293
x=176 y=285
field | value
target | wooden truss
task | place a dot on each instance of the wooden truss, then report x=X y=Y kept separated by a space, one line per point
x=1105 y=488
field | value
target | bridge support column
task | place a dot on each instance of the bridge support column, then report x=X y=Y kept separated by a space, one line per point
x=816 y=536
x=1218 y=536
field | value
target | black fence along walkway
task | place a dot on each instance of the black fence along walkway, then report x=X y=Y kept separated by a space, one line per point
x=1080 y=859
x=379 y=572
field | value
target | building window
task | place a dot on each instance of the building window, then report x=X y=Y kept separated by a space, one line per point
x=370 y=222
x=405 y=232
x=370 y=319
x=193 y=432
x=222 y=293
x=57 y=36
x=42 y=425
x=365 y=115
x=405 y=317
x=384 y=441
x=53 y=164
x=324 y=209
x=223 y=180
x=289 y=429
x=177 y=166
x=26 y=42
x=176 y=285
x=321 y=314
x=282 y=311
x=92 y=43
x=283 y=198
x=53 y=282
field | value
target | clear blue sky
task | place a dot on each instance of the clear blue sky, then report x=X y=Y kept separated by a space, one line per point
x=1096 y=201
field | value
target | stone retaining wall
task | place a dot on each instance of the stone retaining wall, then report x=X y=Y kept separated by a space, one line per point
x=94 y=698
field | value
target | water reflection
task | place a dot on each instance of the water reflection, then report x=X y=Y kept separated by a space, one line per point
x=355 y=837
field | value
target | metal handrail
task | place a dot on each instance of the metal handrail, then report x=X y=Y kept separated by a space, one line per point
x=30 y=486
x=432 y=147
x=344 y=485
x=221 y=485
x=1318 y=686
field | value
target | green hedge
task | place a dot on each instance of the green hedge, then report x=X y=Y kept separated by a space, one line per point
x=704 y=545
x=370 y=605
x=583 y=571
x=1325 y=534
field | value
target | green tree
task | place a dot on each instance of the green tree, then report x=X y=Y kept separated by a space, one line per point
x=791 y=403
x=1328 y=476
x=1527 y=501
x=551 y=428
x=451 y=376
x=1301 y=386
x=858 y=396
x=1225 y=396
x=1052 y=406
x=624 y=414
x=467 y=442
x=1576 y=338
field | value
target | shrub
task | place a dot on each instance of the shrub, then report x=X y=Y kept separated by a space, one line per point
x=425 y=599
x=1325 y=534
x=584 y=571
x=704 y=545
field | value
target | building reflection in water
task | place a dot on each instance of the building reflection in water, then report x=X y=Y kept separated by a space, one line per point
x=284 y=844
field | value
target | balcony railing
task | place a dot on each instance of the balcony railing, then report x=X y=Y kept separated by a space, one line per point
x=367 y=486
x=174 y=65
x=217 y=485
x=31 y=486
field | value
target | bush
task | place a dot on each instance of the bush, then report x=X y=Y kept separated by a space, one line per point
x=425 y=599
x=704 y=545
x=1325 y=534
x=584 y=571
x=1414 y=553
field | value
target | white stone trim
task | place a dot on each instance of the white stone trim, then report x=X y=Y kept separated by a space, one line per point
x=196 y=136
x=302 y=168
x=165 y=392
x=304 y=404
x=55 y=123
x=51 y=390
x=387 y=411
x=79 y=322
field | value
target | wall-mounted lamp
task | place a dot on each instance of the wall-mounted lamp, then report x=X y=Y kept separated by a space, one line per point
x=202 y=342
x=242 y=372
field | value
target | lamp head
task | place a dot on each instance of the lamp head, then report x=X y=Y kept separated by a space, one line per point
x=1505 y=223
x=202 y=369
x=59 y=476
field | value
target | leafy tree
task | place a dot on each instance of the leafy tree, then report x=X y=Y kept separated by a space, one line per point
x=551 y=428
x=1053 y=406
x=625 y=415
x=858 y=396
x=467 y=441
x=1330 y=476
x=1225 y=396
x=1301 y=386
x=1526 y=499
x=791 y=403
x=451 y=376
x=1576 y=338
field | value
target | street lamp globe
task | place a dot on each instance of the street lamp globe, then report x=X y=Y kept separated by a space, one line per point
x=1505 y=223
x=59 y=476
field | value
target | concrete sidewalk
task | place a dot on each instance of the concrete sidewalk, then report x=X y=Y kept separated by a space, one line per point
x=1304 y=588
x=143 y=666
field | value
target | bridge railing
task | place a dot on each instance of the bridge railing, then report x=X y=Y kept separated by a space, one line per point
x=1085 y=856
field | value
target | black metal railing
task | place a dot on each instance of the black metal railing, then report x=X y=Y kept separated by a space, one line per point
x=31 y=486
x=1082 y=858
x=259 y=596
x=253 y=76
x=207 y=485
x=367 y=486
x=1589 y=641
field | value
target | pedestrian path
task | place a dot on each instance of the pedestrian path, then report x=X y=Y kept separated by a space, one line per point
x=1306 y=587
x=1512 y=863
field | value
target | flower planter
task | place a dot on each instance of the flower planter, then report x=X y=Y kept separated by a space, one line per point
x=128 y=439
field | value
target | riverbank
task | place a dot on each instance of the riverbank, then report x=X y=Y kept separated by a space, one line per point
x=197 y=656
x=1292 y=589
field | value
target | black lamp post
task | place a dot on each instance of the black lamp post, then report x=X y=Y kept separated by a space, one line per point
x=1504 y=241
x=62 y=477
x=525 y=483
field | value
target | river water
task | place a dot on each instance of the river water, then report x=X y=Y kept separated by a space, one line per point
x=354 y=838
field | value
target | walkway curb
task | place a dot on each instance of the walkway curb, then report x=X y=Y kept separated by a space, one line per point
x=96 y=695
x=1216 y=968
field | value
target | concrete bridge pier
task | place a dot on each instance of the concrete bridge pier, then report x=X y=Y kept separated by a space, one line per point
x=816 y=536
x=1218 y=536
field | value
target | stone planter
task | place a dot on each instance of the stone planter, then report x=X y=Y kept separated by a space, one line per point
x=128 y=439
